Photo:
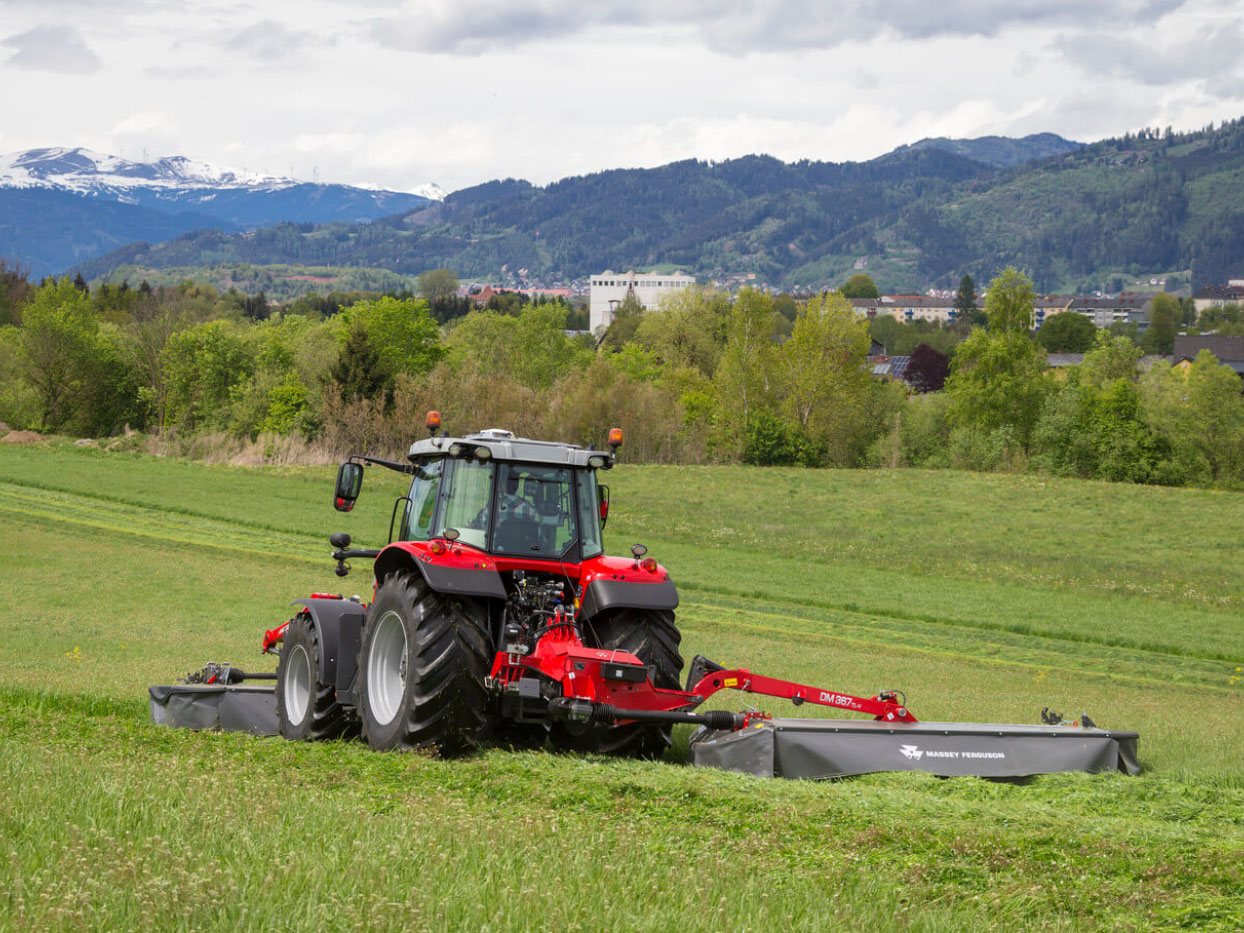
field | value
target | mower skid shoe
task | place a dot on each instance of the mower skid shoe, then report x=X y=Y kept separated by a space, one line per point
x=817 y=749
x=215 y=706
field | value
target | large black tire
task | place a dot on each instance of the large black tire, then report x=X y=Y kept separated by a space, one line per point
x=422 y=664
x=306 y=710
x=653 y=637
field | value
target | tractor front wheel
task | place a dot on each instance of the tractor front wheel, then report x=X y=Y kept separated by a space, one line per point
x=422 y=664
x=653 y=637
x=306 y=709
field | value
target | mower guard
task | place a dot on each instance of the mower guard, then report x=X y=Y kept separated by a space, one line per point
x=817 y=749
x=237 y=708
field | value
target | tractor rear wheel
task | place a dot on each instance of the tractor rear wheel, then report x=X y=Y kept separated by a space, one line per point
x=306 y=710
x=653 y=637
x=422 y=664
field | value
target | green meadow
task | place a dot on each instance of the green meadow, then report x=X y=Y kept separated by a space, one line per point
x=982 y=597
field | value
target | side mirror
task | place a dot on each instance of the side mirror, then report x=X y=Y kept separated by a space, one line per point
x=602 y=502
x=349 y=485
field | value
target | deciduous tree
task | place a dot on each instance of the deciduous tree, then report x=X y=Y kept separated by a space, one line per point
x=745 y=374
x=927 y=369
x=824 y=380
x=1165 y=314
x=1067 y=332
x=1009 y=302
x=401 y=331
x=860 y=285
x=438 y=285
x=996 y=381
x=1200 y=412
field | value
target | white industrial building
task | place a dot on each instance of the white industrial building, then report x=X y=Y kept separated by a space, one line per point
x=609 y=290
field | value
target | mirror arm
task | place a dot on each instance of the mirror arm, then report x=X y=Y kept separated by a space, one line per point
x=389 y=464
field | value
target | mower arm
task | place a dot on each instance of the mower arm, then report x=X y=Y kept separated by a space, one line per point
x=884 y=706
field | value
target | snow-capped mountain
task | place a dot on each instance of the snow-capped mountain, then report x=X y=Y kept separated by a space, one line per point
x=90 y=172
x=100 y=201
x=432 y=191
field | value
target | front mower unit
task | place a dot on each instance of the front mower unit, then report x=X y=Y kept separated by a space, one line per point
x=497 y=616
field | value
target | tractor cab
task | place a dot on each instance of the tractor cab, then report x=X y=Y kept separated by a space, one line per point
x=497 y=493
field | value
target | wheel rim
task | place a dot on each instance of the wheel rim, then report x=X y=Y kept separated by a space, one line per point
x=386 y=668
x=297 y=684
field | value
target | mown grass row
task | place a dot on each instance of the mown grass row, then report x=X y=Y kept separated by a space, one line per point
x=182 y=830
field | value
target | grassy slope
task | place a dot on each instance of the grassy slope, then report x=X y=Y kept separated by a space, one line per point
x=982 y=597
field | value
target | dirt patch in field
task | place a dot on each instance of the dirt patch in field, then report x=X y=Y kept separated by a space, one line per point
x=21 y=437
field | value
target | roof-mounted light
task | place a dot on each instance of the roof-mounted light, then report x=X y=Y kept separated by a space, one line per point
x=596 y=462
x=433 y=422
x=615 y=438
x=483 y=453
x=455 y=450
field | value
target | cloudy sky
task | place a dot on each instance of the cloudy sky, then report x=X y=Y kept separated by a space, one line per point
x=462 y=91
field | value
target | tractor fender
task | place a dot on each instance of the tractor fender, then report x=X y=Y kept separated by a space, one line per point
x=601 y=595
x=338 y=627
x=456 y=574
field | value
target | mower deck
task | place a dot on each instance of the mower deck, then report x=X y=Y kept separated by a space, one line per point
x=236 y=708
x=817 y=749
x=810 y=749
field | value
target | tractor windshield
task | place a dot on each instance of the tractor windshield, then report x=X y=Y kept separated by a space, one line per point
x=468 y=500
x=518 y=509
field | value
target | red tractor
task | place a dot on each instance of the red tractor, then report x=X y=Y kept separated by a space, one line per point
x=496 y=615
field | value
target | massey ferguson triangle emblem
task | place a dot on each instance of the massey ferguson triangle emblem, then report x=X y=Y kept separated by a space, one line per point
x=911 y=751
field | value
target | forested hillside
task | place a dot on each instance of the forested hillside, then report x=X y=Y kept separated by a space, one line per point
x=1147 y=203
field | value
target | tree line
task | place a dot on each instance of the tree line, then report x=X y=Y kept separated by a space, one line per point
x=754 y=378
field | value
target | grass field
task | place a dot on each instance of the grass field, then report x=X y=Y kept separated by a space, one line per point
x=983 y=597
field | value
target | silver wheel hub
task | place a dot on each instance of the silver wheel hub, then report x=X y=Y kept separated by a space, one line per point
x=297 y=690
x=386 y=668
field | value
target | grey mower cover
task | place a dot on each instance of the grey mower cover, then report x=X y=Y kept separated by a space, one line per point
x=237 y=708
x=830 y=748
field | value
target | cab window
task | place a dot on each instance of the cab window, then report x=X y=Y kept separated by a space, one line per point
x=468 y=500
x=535 y=511
x=423 y=494
x=589 y=514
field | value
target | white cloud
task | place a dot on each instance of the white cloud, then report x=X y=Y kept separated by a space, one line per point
x=145 y=123
x=462 y=91
x=475 y=26
x=52 y=48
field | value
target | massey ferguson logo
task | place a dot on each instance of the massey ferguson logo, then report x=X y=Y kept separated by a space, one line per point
x=915 y=753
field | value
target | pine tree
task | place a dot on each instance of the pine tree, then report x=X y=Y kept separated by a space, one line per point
x=358 y=372
x=965 y=298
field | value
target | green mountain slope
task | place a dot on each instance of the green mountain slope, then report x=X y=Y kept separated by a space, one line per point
x=918 y=216
x=1001 y=150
